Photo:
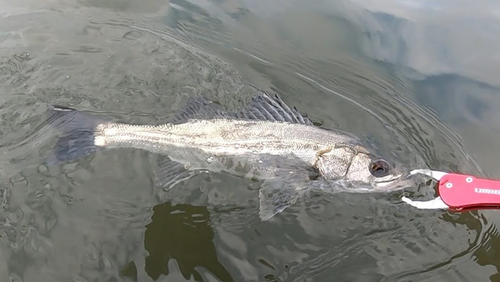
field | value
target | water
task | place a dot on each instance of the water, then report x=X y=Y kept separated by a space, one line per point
x=418 y=80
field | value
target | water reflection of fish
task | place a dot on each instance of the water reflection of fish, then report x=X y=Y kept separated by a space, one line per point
x=267 y=141
x=165 y=239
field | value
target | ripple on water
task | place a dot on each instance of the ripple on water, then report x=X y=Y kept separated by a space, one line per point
x=101 y=218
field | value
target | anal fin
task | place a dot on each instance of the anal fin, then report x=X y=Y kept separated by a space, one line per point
x=168 y=173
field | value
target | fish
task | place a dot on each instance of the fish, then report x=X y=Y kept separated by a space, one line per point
x=267 y=141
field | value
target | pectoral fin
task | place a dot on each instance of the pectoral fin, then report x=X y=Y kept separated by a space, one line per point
x=276 y=194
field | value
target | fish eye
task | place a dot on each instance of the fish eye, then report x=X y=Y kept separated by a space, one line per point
x=379 y=168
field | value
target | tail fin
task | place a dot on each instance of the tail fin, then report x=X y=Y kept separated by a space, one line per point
x=77 y=138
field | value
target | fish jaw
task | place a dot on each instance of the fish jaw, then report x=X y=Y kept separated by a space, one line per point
x=394 y=183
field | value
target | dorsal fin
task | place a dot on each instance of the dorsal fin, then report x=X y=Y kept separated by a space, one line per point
x=200 y=107
x=262 y=107
x=267 y=107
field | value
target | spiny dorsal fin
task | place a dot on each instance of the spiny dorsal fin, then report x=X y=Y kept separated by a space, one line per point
x=262 y=107
x=267 y=107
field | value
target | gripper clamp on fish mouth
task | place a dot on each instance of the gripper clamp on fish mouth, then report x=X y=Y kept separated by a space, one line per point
x=459 y=192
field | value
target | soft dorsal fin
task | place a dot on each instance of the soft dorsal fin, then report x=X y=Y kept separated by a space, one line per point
x=200 y=107
x=262 y=107
x=267 y=107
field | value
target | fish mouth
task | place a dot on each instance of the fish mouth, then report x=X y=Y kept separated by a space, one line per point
x=396 y=182
x=388 y=180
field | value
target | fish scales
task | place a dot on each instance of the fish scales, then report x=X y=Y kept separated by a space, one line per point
x=223 y=136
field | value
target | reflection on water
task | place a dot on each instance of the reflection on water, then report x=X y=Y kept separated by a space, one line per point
x=182 y=233
x=486 y=252
x=417 y=81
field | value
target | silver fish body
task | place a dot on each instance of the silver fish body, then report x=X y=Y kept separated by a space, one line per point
x=196 y=141
x=268 y=141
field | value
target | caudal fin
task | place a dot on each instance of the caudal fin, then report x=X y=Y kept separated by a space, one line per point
x=77 y=134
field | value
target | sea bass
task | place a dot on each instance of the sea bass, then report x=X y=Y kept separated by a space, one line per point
x=267 y=141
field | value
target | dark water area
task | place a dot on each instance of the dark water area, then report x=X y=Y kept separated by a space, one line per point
x=416 y=79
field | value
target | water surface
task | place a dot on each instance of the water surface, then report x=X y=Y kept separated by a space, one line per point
x=417 y=80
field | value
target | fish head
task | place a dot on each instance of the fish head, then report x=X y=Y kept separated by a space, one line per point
x=360 y=171
x=376 y=174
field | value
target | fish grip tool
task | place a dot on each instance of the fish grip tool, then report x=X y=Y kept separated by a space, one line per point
x=460 y=192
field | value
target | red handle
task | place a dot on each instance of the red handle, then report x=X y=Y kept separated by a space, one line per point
x=464 y=192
